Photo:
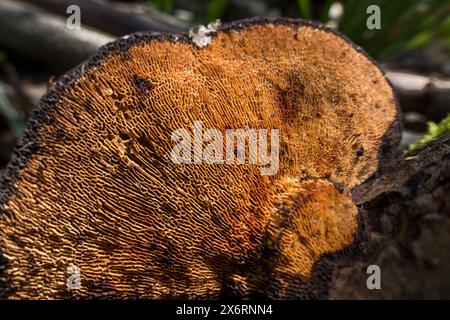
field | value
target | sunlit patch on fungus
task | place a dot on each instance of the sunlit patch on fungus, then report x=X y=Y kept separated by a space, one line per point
x=91 y=182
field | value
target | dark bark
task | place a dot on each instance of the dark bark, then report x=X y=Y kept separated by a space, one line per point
x=45 y=37
x=113 y=19
x=419 y=93
x=407 y=219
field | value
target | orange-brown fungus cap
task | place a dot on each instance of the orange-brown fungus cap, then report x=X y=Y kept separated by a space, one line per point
x=91 y=182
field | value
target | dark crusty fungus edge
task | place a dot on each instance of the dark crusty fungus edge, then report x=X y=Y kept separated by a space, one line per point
x=27 y=144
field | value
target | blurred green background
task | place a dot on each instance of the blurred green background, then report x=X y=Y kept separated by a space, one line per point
x=405 y=23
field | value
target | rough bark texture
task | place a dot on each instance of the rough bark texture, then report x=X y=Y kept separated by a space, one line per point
x=407 y=214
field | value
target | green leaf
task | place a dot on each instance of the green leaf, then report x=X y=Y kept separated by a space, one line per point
x=216 y=8
x=404 y=24
x=434 y=131
x=304 y=7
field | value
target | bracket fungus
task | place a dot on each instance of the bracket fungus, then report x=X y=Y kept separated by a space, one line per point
x=91 y=182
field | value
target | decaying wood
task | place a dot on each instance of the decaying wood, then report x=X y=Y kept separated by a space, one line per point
x=115 y=19
x=34 y=33
x=424 y=94
x=407 y=218
x=431 y=160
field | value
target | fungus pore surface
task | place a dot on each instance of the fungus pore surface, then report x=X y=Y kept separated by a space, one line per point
x=92 y=183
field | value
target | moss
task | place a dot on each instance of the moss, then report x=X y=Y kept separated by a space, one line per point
x=434 y=131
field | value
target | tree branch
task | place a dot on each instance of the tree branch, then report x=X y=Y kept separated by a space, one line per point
x=427 y=95
x=44 y=37
x=407 y=220
x=114 y=19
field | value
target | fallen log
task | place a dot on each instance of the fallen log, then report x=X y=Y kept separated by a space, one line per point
x=407 y=219
x=36 y=34
x=115 y=19
x=424 y=94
